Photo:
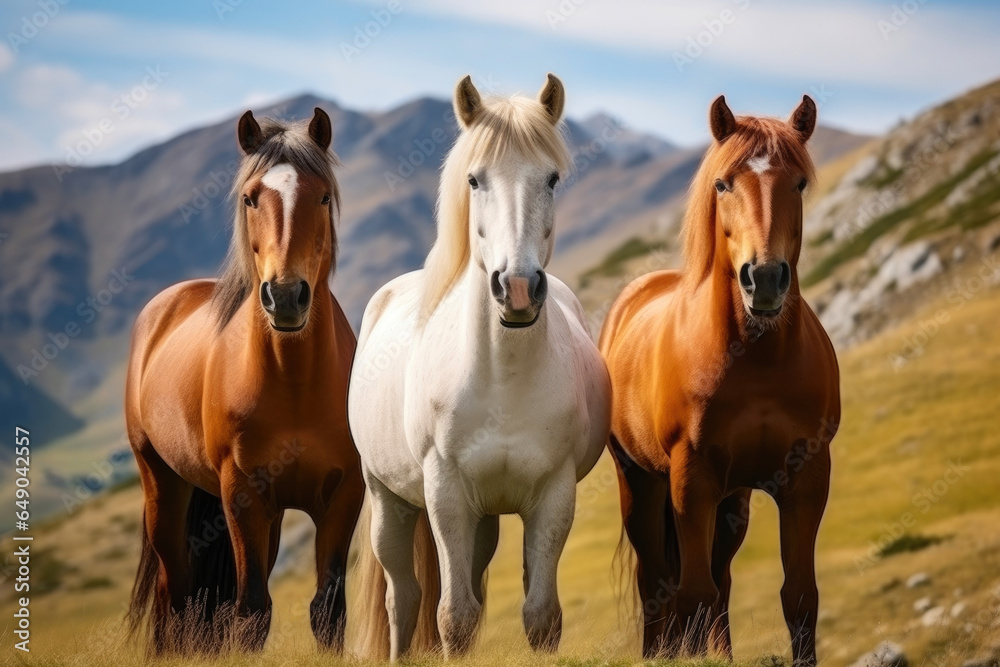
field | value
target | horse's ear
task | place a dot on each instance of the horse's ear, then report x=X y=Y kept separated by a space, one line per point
x=248 y=133
x=320 y=129
x=721 y=119
x=468 y=103
x=803 y=119
x=552 y=96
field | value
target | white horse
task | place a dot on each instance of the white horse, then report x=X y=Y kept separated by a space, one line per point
x=476 y=389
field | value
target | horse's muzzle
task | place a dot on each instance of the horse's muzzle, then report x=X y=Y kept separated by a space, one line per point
x=520 y=298
x=286 y=304
x=765 y=286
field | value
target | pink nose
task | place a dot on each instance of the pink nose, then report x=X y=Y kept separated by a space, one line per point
x=519 y=298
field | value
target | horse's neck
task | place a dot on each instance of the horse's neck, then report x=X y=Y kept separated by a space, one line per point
x=299 y=355
x=491 y=347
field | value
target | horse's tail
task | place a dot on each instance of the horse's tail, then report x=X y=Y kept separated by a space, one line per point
x=213 y=572
x=142 y=600
x=200 y=626
x=373 y=619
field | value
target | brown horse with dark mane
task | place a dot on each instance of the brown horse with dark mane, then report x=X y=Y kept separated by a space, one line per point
x=725 y=381
x=235 y=407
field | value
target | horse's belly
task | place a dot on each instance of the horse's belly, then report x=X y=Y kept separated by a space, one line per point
x=171 y=415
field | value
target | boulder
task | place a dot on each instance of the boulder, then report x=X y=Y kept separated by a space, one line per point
x=886 y=654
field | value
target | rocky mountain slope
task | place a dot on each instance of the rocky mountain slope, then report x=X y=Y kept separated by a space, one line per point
x=922 y=200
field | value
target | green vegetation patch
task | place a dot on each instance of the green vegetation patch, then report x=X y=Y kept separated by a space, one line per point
x=859 y=244
x=909 y=543
x=613 y=264
x=978 y=210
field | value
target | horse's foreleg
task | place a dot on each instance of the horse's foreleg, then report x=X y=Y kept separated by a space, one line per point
x=393 y=524
x=694 y=498
x=249 y=520
x=801 y=509
x=334 y=528
x=731 y=522
x=453 y=524
x=546 y=528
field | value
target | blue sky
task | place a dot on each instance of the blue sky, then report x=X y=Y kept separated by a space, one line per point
x=74 y=72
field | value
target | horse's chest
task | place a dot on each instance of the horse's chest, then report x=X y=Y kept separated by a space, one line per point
x=754 y=424
x=281 y=435
x=504 y=437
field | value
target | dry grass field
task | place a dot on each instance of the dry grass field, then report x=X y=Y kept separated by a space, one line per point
x=905 y=426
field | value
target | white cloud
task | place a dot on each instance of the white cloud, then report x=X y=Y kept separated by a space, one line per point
x=6 y=58
x=785 y=39
x=19 y=148
x=61 y=97
x=118 y=36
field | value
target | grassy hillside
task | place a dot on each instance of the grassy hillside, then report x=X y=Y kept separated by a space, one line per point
x=904 y=427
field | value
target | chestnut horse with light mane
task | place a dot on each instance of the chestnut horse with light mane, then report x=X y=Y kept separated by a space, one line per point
x=724 y=381
x=236 y=409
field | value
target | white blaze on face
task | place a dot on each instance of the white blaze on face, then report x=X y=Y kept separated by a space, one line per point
x=283 y=179
x=760 y=164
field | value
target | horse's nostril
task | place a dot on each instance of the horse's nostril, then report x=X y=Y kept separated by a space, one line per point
x=746 y=277
x=266 y=298
x=304 y=296
x=541 y=288
x=495 y=287
x=785 y=280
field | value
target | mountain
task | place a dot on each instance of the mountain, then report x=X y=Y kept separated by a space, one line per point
x=913 y=209
x=83 y=249
x=31 y=408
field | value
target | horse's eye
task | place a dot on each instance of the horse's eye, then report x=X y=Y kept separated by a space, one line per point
x=247 y=201
x=803 y=184
x=721 y=186
x=473 y=182
x=553 y=179
x=326 y=199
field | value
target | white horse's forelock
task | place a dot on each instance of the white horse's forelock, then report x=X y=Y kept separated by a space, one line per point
x=518 y=124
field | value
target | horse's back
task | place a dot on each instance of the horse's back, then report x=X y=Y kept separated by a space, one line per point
x=161 y=317
x=638 y=297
